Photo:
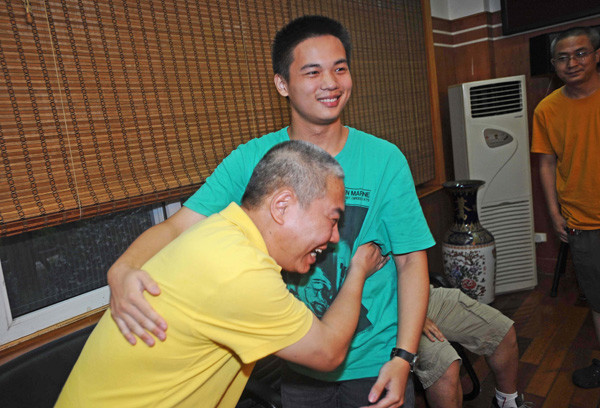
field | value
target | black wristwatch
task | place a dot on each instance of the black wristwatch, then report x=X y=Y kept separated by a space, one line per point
x=405 y=355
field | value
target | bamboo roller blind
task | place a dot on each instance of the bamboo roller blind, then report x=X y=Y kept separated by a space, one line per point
x=111 y=104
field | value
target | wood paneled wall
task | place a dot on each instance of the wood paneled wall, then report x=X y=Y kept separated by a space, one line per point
x=473 y=48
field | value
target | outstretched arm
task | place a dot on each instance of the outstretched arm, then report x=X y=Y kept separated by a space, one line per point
x=413 y=296
x=325 y=345
x=130 y=311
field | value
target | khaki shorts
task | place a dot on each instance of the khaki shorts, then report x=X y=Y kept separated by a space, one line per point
x=477 y=326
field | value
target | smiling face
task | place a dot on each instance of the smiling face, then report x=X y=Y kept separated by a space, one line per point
x=309 y=230
x=576 y=72
x=319 y=83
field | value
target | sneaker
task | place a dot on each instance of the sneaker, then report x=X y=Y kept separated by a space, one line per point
x=588 y=377
x=519 y=401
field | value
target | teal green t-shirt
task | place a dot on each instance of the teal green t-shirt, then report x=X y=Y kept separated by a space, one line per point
x=381 y=206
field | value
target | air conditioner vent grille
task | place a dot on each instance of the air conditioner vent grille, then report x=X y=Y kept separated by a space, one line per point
x=511 y=224
x=496 y=99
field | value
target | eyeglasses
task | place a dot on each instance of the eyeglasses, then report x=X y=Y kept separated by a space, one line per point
x=579 y=56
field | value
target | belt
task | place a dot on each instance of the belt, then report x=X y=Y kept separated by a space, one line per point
x=572 y=231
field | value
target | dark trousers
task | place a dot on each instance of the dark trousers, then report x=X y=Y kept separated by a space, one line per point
x=585 y=252
x=299 y=391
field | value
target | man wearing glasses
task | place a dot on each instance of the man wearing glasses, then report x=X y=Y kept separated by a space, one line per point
x=566 y=133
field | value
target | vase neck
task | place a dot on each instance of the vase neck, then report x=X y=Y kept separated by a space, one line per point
x=465 y=208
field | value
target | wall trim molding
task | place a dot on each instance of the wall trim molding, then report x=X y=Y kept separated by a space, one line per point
x=447 y=31
x=467 y=29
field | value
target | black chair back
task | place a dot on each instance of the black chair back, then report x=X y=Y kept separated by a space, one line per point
x=36 y=378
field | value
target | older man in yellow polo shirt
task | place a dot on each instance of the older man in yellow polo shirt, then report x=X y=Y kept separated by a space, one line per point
x=225 y=299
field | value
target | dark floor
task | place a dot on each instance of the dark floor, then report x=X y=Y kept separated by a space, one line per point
x=555 y=336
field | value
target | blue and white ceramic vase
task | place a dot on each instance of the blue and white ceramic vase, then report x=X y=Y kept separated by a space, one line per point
x=468 y=249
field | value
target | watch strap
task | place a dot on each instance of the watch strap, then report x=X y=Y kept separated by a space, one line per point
x=405 y=355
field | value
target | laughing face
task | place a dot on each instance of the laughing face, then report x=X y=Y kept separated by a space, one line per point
x=311 y=229
x=319 y=83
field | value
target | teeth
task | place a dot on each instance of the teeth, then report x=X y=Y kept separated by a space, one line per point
x=329 y=100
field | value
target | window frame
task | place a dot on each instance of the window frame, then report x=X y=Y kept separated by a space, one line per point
x=13 y=329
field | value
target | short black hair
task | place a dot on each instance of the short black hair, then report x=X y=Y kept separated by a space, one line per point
x=589 y=32
x=299 y=30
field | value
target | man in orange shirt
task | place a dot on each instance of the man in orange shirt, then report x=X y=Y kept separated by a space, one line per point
x=566 y=133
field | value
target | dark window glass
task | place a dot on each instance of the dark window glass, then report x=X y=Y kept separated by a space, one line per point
x=48 y=266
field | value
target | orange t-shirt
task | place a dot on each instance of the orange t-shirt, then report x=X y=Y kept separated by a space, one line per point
x=570 y=129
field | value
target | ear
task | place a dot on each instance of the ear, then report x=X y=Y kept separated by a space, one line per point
x=281 y=85
x=281 y=202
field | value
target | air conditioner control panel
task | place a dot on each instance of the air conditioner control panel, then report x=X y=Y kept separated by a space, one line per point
x=496 y=138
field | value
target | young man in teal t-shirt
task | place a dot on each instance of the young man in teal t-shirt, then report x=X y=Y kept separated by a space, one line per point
x=311 y=58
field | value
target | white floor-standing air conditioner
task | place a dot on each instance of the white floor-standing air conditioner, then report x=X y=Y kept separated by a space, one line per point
x=490 y=142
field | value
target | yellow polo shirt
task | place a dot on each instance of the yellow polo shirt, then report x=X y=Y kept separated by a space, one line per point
x=226 y=305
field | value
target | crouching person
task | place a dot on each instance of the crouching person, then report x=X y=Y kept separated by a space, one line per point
x=224 y=297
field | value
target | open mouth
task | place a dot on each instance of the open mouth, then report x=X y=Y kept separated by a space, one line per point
x=330 y=101
x=316 y=252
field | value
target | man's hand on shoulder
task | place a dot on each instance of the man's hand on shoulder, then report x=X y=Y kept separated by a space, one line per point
x=129 y=309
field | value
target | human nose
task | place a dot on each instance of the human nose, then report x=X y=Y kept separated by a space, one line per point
x=577 y=59
x=328 y=80
x=572 y=60
x=335 y=235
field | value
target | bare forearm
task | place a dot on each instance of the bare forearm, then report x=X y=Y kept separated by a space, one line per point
x=143 y=248
x=325 y=346
x=153 y=240
x=342 y=316
x=548 y=181
x=413 y=297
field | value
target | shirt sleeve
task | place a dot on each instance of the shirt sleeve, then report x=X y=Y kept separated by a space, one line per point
x=229 y=180
x=540 y=142
x=399 y=216
x=226 y=184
